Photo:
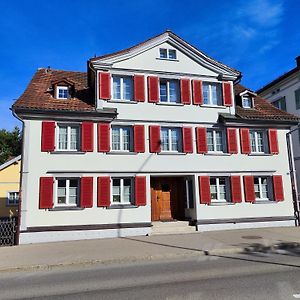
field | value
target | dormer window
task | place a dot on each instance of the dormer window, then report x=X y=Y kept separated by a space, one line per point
x=247 y=101
x=167 y=53
x=62 y=92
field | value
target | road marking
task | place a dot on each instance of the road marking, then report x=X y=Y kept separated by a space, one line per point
x=297 y=296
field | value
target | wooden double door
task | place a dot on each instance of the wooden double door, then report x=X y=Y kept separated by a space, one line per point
x=167 y=198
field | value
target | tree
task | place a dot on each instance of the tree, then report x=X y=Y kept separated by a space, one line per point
x=10 y=143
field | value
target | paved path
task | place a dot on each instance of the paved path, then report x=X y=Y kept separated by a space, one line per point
x=105 y=251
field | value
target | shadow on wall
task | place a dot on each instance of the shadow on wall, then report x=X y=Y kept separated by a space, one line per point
x=7 y=211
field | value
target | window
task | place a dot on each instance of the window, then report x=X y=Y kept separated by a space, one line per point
x=219 y=189
x=297 y=98
x=12 y=198
x=68 y=137
x=215 y=141
x=258 y=141
x=262 y=186
x=122 y=190
x=67 y=192
x=280 y=103
x=122 y=88
x=212 y=93
x=122 y=138
x=171 y=139
x=169 y=91
x=167 y=53
x=62 y=92
x=247 y=101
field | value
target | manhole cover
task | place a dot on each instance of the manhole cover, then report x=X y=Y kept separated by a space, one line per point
x=251 y=237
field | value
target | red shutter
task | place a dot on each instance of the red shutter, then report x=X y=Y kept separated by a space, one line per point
x=103 y=191
x=249 y=188
x=273 y=141
x=185 y=91
x=104 y=85
x=139 y=88
x=139 y=138
x=187 y=136
x=227 y=95
x=153 y=89
x=245 y=140
x=278 y=188
x=87 y=137
x=103 y=137
x=201 y=140
x=48 y=136
x=86 y=192
x=197 y=92
x=236 y=191
x=154 y=133
x=232 y=140
x=204 y=188
x=140 y=190
x=46 y=192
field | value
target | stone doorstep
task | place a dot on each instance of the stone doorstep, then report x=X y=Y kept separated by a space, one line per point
x=173 y=227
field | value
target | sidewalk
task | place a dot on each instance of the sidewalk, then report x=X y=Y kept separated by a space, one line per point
x=118 y=250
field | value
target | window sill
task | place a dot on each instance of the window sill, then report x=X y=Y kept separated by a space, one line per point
x=12 y=205
x=217 y=154
x=122 y=101
x=121 y=206
x=62 y=208
x=67 y=152
x=213 y=106
x=170 y=153
x=122 y=153
x=169 y=59
x=221 y=203
x=264 y=202
x=170 y=103
x=260 y=154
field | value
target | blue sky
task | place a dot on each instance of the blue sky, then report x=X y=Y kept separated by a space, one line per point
x=261 y=38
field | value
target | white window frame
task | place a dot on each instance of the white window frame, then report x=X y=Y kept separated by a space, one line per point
x=269 y=188
x=121 y=87
x=248 y=97
x=167 y=81
x=122 y=201
x=65 y=88
x=168 y=53
x=15 y=199
x=69 y=126
x=227 y=190
x=180 y=142
x=67 y=204
x=121 y=128
x=210 y=98
x=215 y=140
x=264 y=139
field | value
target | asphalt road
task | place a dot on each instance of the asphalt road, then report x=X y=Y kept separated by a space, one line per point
x=231 y=277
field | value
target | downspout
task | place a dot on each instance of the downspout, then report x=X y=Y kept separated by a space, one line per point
x=293 y=174
x=17 y=239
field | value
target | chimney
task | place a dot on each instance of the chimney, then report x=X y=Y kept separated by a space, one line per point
x=298 y=61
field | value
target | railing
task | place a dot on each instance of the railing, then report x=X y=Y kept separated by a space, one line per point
x=8 y=229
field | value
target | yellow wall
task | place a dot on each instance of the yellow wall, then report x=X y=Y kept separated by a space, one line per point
x=9 y=181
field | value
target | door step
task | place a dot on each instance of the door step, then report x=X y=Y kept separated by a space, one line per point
x=174 y=227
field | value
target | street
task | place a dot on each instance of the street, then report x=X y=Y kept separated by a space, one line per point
x=261 y=276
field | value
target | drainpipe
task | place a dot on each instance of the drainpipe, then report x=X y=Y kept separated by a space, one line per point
x=293 y=174
x=17 y=239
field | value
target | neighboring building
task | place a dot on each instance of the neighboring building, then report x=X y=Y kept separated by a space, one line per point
x=156 y=132
x=9 y=187
x=284 y=93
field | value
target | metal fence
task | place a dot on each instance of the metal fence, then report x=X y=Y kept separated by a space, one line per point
x=8 y=229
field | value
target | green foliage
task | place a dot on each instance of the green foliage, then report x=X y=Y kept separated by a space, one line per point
x=10 y=143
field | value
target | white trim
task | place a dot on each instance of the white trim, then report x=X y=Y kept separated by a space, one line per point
x=269 y=189
x=167 y=81
x=180 y=139
x=10 y=162
x=15 y=201
x=264 y=141
x=218 y=199
x=214 y=132
x=67 y=204
x=121 y=141
x=65 y=88
x=121 y=77
x=69 y=126
x=210 y=98
x=122 y=202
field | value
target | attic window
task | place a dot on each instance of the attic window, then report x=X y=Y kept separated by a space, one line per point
x=247 y=101
x=62 y=92
x=167 y=53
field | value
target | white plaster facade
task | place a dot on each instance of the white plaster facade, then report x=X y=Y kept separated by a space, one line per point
x=145 y=60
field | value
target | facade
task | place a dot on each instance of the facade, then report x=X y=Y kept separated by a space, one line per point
x=284 y=93
x=156 y=132
x=9 y=187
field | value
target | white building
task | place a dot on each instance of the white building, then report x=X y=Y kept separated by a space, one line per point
x=156 y=132
x=284 y=93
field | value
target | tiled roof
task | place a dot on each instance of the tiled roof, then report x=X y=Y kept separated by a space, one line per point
x=263 y=110
x=39 y=96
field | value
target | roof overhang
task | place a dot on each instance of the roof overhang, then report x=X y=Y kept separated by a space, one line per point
x=10 y=162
